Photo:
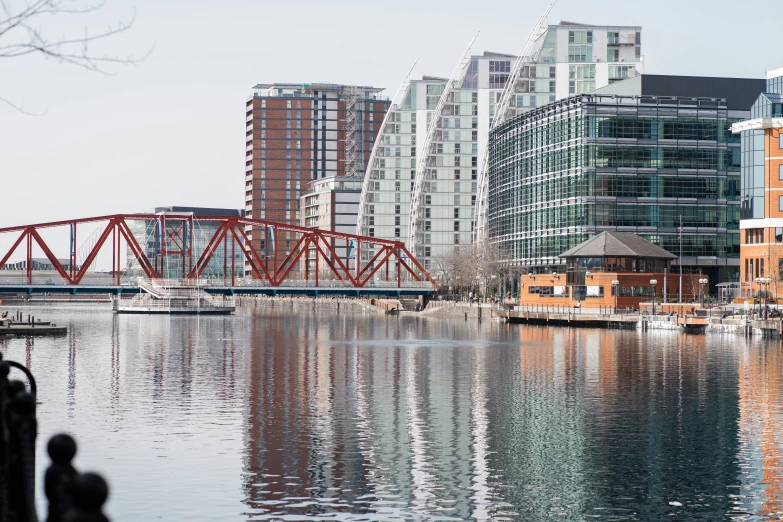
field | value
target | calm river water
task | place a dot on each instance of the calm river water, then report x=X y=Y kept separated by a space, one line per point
x=269 y=415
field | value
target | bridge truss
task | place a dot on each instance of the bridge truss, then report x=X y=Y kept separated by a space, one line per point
x=172 y=241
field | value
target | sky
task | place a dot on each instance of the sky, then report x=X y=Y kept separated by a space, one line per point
x=170 y=129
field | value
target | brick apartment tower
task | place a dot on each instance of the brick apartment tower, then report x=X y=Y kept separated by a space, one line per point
x=297 y=133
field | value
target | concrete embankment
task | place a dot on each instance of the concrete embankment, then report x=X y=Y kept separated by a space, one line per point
x=456 y=310
x=334 y=304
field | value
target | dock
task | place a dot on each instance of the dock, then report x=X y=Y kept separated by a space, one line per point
x=690 y=324
x=37 y=329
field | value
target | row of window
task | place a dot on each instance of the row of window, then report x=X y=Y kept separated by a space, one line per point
x=545 y=249
x=754 y=236
x=590 y=292
x=511 y=191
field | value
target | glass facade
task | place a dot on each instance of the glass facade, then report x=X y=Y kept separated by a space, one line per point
x=570 y=170
x=752 y=175
x=775 y=84
x=172 y=265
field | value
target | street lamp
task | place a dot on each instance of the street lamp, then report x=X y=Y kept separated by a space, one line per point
x=763 y=282
x=653 y=282
x=767 y=281
x=616 y=288
x=759 y=283
x=702 y=282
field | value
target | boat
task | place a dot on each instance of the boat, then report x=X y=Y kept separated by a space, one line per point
x=161 y=297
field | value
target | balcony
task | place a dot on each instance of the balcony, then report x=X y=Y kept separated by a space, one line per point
x=622 y=40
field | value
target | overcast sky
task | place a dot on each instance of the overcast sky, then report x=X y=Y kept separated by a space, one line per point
x=170 y=130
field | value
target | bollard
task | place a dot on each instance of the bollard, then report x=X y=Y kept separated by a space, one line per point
x=59 y=476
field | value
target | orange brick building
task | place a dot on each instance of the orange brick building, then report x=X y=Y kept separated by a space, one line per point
x=593 y=267
x=761 y=223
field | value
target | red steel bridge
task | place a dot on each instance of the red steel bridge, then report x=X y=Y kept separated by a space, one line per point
x=317 y=261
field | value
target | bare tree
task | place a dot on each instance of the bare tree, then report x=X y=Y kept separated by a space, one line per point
x=479 y=266
x=22 y=33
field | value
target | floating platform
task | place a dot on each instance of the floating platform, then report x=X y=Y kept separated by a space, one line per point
x=173 y=298
x=27 y=329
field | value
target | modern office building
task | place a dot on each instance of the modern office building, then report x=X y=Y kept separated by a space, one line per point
x=298 y=133
x=761 y=215
x=176 y=265
x=331 y=204
x=644 y=155
x=568 y=58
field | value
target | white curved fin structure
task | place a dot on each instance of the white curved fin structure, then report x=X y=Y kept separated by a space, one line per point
x=417 y=199
x=502 y=113
x=373 y=161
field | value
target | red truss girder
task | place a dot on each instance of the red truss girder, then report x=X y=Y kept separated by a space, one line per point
x=229 y=232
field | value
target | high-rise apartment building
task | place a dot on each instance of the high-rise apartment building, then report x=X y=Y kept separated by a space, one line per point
x=762 y=188
x=568 y=59
x=642 y=156
x=298 y=133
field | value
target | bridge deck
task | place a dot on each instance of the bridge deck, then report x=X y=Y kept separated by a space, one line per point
x=226 y=290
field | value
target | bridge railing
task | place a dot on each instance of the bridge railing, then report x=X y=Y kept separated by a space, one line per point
x=158 y=285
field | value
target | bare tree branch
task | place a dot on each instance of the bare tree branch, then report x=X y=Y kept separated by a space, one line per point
x=20 y=108
x=22 y=34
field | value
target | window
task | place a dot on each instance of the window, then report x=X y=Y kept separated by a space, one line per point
x=780 y=142
x=780 y=203
x=621 y=72
x=499 y=66
x=779 y=235
x=581 y=79
x=780 y=169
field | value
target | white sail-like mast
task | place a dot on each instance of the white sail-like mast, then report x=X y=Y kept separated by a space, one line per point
x=502 y=112
x=426 y=149
x=373 y=161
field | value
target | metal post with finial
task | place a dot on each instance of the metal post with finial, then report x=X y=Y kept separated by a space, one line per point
x=59 y=476
x=88 y=494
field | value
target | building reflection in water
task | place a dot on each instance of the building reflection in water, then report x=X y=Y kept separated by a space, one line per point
x=364 y=416
x=360 y=417
x=761 y=429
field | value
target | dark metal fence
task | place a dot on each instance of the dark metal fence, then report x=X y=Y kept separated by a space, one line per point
x=73 y=496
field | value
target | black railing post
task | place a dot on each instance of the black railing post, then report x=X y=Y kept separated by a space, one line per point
x=89 y=493
x=73 y=497
x=59 y=476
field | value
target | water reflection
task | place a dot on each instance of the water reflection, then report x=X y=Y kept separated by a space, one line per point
x=296 y=414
